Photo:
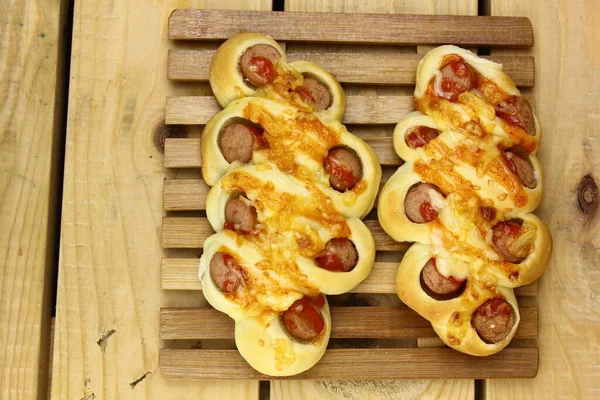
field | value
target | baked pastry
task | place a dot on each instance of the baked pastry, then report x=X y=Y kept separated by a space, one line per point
x=289 y=186
x=470 y=181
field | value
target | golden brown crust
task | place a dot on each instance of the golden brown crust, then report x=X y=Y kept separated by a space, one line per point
x=466 y=161
x=338 y=103
x=451 y=319
x=297 y=211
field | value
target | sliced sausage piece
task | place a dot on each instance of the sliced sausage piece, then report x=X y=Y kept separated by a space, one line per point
x=522 y=168
x=257 y=66
x=344 y=168
x=237 y=142
x=517 y=110
x=505 y=236
x=419 y=136
x=417 y=203
x=225 y=272
x=457 y=77
x=240 y=215
x=493 y=320
x=340 y=255
x=437 y=285
x=316 y=92
x=303 y=320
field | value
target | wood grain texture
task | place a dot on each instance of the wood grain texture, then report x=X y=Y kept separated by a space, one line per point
x=350 y=323
x=360 y=364
x=107 y=329
x=567 y=55
x=182 y=274
x=190 y=233
x=32 y=37
x=360 y=110
x=198 y=110
x=345 y=28
x=360 y=68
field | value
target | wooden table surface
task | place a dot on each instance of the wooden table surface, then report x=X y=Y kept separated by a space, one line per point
x=103 y=207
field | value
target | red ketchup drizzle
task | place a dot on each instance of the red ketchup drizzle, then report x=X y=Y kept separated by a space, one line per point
x=330 y=261
x=307 y=312
x=496 y=307
x=265 y=68
x=461 y=70
x=508 y=228
x=318 y=300
x=305 y=94
x=428 y=212
x=258 y=135
x=333 y=167
x=420 y=136
x=228 y=225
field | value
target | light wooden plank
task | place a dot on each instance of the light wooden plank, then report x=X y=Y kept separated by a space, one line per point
x=107 y=320
x=190 y=233
x=349 y=323
x=359 y=68
x=182 y=274
x=185 y=153
x=32 y=37
x=360 y=110
x=359 y=364
x=570 y=288
x=350 y=28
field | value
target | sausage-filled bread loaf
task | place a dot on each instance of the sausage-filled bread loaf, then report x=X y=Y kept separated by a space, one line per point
x=289 y=186
x=465 y=194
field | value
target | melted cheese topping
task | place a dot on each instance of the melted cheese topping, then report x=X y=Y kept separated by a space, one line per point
x=461 y=235
x=296 y=219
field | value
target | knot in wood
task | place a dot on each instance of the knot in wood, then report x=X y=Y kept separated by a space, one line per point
x=162 y=132
x=587 y=195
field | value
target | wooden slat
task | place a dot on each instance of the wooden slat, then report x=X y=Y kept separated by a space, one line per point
x=350 y=323
x=350 y=28
x=359 y=364
x=359 y=68
x=185 y=153
x=182 y=153
x=182 y=274
x=33 y=35
x=190 y=233
x=360 y=110
x=184 y=194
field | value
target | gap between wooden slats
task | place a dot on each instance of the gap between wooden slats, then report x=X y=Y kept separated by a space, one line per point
x=350 y=323
x=190 y=233
x=360 y=110
x=182 y=274
x=387 y=29
x=359 y=364
x=359 y=68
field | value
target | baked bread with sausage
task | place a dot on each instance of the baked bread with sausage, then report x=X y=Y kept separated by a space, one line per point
x=465 y=194
x=289 y=186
